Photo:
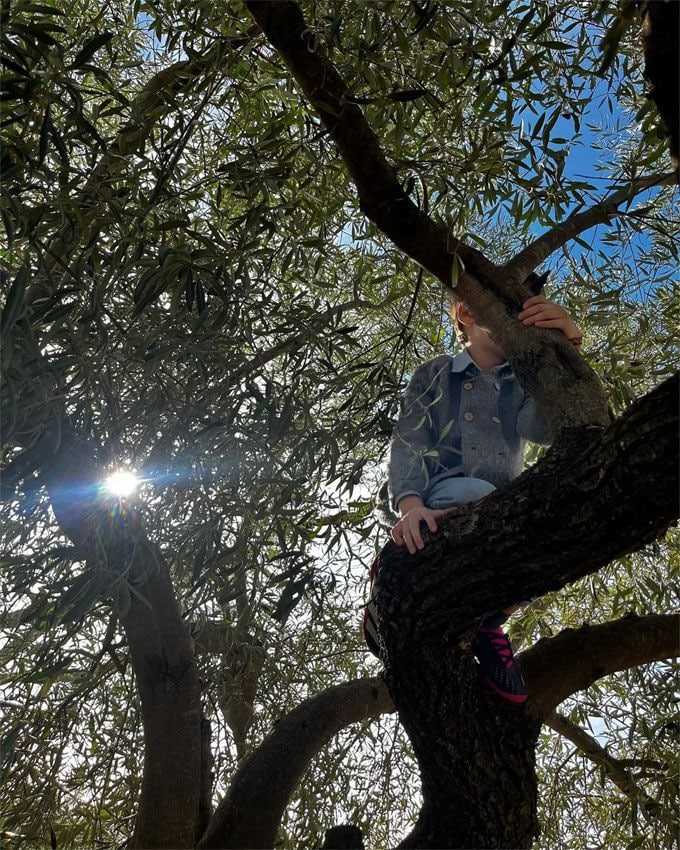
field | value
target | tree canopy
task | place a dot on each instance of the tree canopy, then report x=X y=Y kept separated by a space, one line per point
x=204 y=281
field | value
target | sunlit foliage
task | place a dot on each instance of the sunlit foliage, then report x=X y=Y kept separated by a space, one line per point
x=186 y=268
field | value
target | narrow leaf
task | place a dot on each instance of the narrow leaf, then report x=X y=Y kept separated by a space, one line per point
x=90 y=47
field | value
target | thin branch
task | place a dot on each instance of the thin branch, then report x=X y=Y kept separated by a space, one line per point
x=294 y=342
x=615 y=768
x=530 y=257
x=155 y=100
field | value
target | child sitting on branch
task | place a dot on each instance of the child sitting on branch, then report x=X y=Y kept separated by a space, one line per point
x=461 y=435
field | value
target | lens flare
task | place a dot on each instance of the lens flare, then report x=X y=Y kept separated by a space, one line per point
x=122 y=483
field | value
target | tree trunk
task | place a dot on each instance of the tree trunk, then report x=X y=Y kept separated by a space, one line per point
x=568 y=516
x=160 y=649
x=476 y=752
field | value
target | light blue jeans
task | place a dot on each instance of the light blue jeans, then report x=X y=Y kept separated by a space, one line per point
x=456 y=491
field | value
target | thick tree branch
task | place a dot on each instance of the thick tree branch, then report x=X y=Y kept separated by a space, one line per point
x=577 y=657
x=571 y=661
x=566 y=389
x=660 y=26
x=382 y=197
x=613 y=767
x=529 y=258
x=250 y=814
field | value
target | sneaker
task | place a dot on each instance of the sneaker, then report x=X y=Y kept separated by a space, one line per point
x=492 y=649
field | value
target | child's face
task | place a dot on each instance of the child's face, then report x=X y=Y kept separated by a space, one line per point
x=477 y=338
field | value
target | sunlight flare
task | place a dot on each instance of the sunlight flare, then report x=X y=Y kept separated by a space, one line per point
x=122 y=483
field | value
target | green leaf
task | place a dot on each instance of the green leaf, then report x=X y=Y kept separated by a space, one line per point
x=8 y=743
x=289 y=599
x=147 y=290
x=14 y=303
x=90 y=47
x=457 y=268
x=44 y=135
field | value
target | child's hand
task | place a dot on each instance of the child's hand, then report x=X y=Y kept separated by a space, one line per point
x=542 y=313
x=407 y=530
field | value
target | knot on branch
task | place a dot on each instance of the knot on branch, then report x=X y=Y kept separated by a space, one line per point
x=343 y=837
x=536 y=282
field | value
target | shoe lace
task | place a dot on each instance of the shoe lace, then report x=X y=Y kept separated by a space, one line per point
x=502 y=647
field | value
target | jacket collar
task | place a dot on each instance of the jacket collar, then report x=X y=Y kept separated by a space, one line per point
x=463 y=361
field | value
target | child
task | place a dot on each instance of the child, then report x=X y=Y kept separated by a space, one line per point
x=460 y=436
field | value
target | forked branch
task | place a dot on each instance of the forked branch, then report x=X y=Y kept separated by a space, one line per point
x=268 y=778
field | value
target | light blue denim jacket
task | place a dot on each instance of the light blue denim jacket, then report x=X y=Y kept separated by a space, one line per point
x=458 y=420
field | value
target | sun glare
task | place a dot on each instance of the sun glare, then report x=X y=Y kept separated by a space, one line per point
x=122 y=483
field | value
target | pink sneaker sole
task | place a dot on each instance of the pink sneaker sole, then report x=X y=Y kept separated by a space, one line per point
x=517 y=698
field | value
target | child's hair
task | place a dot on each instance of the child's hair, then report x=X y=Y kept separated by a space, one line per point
x=458 y=326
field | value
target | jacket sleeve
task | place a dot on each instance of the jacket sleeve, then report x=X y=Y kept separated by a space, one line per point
x=531 y=423
x=412 y=437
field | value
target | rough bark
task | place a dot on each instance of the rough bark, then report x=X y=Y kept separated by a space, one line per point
x=475 y=752
x=250 y=814
x=159 y=643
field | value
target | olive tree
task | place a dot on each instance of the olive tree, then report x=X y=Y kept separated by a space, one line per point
x=227 y=230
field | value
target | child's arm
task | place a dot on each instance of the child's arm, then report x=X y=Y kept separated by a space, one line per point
x=541 y=313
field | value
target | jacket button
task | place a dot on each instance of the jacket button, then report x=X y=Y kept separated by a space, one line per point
x=467 y=385
x=495 y=419
x=468 y=417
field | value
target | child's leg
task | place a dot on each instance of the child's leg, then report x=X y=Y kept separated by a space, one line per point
x=491 y=647
x=457 y=491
